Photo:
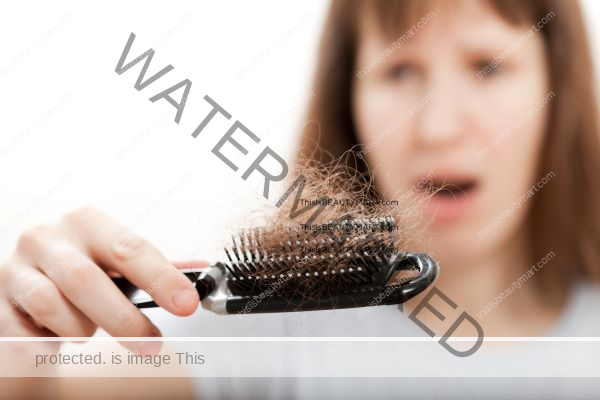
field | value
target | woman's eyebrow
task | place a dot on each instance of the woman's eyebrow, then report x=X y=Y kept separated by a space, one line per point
x=490 y=38
x=482 y=51
x=487 y=50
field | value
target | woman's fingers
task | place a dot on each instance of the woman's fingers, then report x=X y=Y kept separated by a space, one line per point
x=49 y=313
x=115 y=247
x=16 y=325
x=86 y=286
x=93 y=292
x=57 y=282
x=39 y=297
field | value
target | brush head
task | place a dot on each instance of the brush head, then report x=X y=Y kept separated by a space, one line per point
x=313 y=262
x=348 y=263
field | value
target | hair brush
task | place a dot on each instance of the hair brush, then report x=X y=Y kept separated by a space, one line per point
x=349 y=263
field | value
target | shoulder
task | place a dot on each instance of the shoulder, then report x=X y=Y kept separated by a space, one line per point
x=581 y=317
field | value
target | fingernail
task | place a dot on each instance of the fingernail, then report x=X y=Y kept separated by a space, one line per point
x=149 y=348
x=183 y=297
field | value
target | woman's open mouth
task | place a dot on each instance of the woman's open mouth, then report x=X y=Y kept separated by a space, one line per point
x=453 y=189
x=451 y=197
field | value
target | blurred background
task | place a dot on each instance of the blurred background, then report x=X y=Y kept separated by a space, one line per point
x=76 y=133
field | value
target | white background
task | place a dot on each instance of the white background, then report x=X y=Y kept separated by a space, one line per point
x=169 y=187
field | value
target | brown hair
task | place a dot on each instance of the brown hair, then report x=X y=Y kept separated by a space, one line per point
x=563 y=218
x=312 y=254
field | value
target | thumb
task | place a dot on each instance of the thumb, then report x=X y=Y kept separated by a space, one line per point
x=191 y=264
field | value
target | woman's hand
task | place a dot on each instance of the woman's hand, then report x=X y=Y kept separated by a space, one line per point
x=57 y=282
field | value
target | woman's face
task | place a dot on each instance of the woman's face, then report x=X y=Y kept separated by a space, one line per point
x=479 y=134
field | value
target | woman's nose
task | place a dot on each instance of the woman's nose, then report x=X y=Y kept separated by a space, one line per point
x=439 y=122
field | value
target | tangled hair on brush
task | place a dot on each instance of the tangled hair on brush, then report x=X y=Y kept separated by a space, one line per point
x=326 y=248
x=351 y=195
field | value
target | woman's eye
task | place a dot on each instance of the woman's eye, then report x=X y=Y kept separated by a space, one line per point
x=402 y=71
x=487 y=67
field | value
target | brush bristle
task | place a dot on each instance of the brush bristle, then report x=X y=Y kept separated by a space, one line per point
x=311 y=263
x=289 y=258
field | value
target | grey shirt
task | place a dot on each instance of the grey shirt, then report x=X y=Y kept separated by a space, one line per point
x=499 y=370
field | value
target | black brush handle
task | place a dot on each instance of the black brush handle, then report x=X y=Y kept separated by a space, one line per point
x=429 y=272
x=208 y=279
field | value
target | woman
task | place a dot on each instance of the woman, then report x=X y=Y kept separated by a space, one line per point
x=493 y=100
x=493 y=131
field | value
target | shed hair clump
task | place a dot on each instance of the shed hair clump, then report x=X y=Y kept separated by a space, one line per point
x=306 y=248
